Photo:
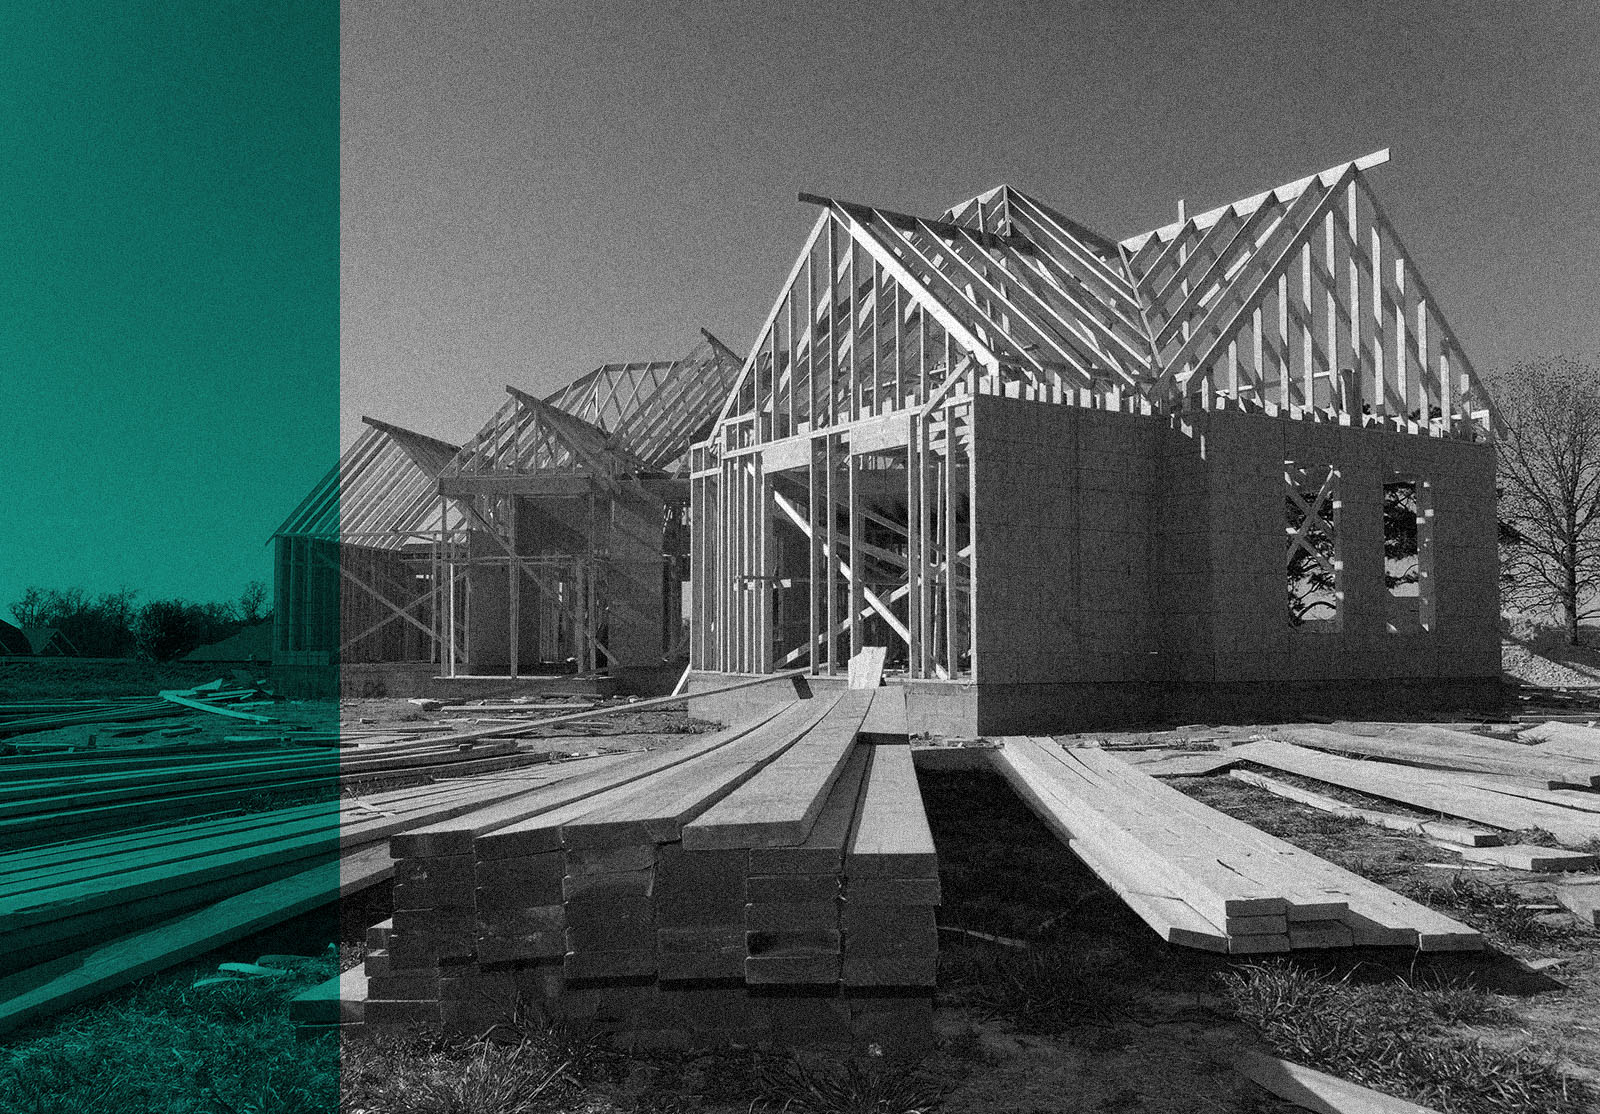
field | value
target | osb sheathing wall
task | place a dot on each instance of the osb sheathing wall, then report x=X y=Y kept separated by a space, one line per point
x=1123 y=559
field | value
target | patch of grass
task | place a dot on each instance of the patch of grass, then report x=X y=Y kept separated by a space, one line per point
x=855 y=1087
x=431 y=1075
x=168 y=1046
x=1395 y=1036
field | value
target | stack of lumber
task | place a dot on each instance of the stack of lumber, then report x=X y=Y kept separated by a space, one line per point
x=773 y=883
x=1201 y=878
x=66 y=910
x=1508 y=803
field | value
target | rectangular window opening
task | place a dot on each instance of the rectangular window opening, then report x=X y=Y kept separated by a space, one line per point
x=1314 y=568
x=1408 y=556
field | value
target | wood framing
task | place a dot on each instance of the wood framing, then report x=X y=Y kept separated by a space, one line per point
x=890 y=428
x=554 y=540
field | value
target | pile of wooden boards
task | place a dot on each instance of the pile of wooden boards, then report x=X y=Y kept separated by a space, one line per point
x=1201 y=878
x=55 y=796
x=771 y=884
x=30 y=717
x=83 y=916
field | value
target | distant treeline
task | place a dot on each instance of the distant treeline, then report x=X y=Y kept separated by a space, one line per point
x=114 y=625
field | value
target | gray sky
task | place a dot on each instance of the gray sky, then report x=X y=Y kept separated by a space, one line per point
x=531 y=190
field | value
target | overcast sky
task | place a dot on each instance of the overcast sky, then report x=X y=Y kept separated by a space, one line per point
x=531 y=190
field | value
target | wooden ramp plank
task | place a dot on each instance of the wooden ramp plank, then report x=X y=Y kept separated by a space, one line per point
x=1307 y=880
x=1154 y=903
x=778 y=806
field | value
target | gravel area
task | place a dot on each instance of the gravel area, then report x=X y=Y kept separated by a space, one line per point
x=1557 y=667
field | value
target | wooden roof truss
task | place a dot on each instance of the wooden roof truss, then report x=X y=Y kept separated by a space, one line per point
x=1303 y=300
x=529 y=435
x=656 y=410
x=382 y=493
x=1298 y=301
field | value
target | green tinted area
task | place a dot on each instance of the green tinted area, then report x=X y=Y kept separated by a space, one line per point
x=169 y=383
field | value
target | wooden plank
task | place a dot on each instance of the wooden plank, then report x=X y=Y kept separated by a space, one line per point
x=180 y=698
x=1317 y=1091
x=1567 y=740
x=1136 y=871
x=334 y=1002
x=793 y=676
x=1437 y=829
x=886 y=720
x=1432 y=749
x=891 y=836
x=1166 y=764
x=1582 y=897
x=657 y=808
x=1420 y=790
x=866 y=667
x=1524 y=856
x=1171 y=859
x=457 y=836
x=823 y=850
x=778 y=807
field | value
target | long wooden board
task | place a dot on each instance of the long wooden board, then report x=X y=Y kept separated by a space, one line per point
x=778 y=806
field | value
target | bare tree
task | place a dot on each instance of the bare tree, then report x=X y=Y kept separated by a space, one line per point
x=252 y=606
x=1550 y=487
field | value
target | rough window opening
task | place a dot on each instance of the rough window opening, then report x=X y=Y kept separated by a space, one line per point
x=1407 y=556
x=1314 y=569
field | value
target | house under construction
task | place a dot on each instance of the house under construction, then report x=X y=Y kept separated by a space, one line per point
x=553 y=541
x=1071 y=481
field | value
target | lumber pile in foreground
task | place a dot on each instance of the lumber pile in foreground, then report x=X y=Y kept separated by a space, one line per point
x=81 y=917
x=773 y=884
x=1201 y=878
